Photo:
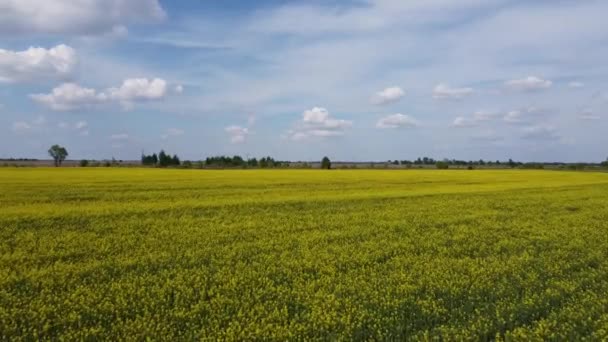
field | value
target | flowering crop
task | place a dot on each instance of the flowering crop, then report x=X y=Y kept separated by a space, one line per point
x=119 y=254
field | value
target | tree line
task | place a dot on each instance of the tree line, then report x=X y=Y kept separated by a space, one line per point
x=163 y=159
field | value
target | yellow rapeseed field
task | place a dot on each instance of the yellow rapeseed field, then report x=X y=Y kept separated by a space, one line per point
x=114 y=254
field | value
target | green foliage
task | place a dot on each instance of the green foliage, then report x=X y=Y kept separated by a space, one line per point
x=84 y=163
x=441 y=165
x=58 y=153
x=252 y=255
x=239 y=162
x=326 y=163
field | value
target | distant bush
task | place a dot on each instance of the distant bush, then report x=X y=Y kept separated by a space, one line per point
x=576 y=167
x=441 y=165
x=84 y=163
x=535 y=166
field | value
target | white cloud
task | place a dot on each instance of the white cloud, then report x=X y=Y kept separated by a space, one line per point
x=172 y=132
x=80 y=17
x=36 y=63
x=71 y=96
x=135 y=89
x=81 y=125
x=477 y=117
x=530 y=83
x=24 y=126
x=317 y=122
x=444 y=92
x=540 y=132
x=237 y=134
x=388 y=95
x=588 y=115
x=524 y=115
x=576 y=84
x=397 y=121
x=21 y=126
x=463 y=122
x=514 y=116
x=179 y=89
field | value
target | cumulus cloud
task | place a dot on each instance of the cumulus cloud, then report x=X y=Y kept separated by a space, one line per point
x=135 y=89
x=388 y=95
x=71 y=96
x=397 y=121
x=237 y=134
x=477 y=118
x=463 y=122
x=317 y=122
x=79 y=17
x=530 y=83
x=444 y=92
x=540 y=132
x=524 y=115
x=36 y=63
x=172 y=132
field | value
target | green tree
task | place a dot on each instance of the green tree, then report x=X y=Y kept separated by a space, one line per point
x=442 y=165
x=163 y=159
x=326 y=163
x=58 y=153
x=84 y=163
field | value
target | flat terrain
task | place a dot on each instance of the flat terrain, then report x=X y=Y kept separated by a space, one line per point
x=303 y=254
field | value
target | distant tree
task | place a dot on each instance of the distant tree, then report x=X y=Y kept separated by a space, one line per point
x=175 y=160
x=163 y=159
x=326 y=163
x=84 y=163
x=58 y=153
x=511 y=163
x=442 y=165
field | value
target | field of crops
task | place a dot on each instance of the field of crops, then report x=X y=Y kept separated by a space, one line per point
x=309 y=254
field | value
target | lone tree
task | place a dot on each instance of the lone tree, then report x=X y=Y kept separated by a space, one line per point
x=326 y=163
x=58 y=153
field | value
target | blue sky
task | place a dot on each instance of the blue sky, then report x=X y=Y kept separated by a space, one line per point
x=297 y=80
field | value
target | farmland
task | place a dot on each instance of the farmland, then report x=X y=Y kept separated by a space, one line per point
x=303 y=254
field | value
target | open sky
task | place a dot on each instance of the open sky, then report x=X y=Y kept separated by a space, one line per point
x=297 y=80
